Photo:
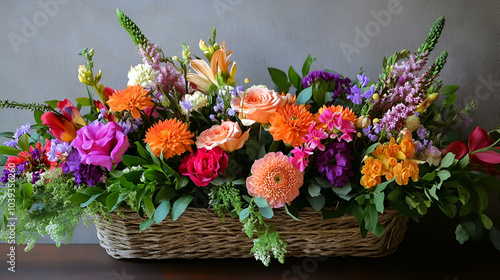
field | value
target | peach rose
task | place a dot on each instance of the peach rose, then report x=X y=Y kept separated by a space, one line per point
x=258 y=104
x=227 y=136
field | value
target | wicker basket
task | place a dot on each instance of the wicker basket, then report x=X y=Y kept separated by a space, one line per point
x=199 y=233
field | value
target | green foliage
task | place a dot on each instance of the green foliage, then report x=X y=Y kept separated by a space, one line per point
x=268 y=242
x=226 y=198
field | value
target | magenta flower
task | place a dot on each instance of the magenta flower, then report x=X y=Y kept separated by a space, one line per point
x=300 y=158
x=100 y=144
x=314 y=137
x=336 y=125
x=204 y=165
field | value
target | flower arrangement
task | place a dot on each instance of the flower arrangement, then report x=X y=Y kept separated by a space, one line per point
x=183 y=128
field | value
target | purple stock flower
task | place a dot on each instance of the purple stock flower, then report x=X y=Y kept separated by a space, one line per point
x=11 y=143
x=58 y=146
x=22 y=130
x=331 y=78
x=334 y=163
x=83 y=173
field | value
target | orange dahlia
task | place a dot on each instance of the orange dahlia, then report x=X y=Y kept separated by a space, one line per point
x=170 y=137
x=290 y=124
x=133 y=99
x=347 y=113
x=275 y=179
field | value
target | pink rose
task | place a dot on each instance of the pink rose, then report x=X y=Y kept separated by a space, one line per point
x=204 y=165
x=100 y=144
x=227 y=136
x=258 y=104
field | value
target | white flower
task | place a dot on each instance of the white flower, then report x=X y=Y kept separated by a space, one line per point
x=142 y=75
x=198 y=100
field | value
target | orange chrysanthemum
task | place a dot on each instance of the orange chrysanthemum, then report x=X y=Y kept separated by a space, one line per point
x=170 y=137
x=347 y=113
x=275 y=179
x=133 y=99
x=290 y=124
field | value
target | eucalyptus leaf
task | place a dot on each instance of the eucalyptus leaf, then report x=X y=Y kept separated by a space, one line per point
x=180 y=206
x=244 y=214
x=146 y=224
x=266 y=212
x=161 y=211
x=317 y=202
x=314 y=190
x=304 y=96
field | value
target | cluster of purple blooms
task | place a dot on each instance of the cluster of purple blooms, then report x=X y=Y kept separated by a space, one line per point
x=83 y=173
x=169 y=79
x=334 y=163
x=20 y=131
x=357 y=95
x=333 y=79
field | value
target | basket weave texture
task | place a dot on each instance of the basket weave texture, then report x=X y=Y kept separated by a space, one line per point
x=201 y=234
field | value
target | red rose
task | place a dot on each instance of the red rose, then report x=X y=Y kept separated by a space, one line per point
x=203 y=166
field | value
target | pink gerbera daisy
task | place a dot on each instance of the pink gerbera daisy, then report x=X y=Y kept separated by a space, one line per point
x=275 y=179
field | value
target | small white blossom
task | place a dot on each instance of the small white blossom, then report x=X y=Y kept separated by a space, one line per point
x=198 y=100
x=142 y=75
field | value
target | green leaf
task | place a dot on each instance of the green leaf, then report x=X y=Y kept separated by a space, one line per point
x=370 y=217
x=78 y=198
x=292 y=212
x=7 y=134
x=266 y=212
x=180 y=206
x=317 y=202
x=142 y=152
x=279 y=77
x=240 y=181
x=371 y=148
x=130 y=161
x=429 y=176
x=482 y=199
x=447 y=161
x=52 y=103
x=448 y=90
x=252 y=148
x=378 y=200
x=394 y=195
x=38 y=116
x=465 y=231
x=28 y=190
x=304 y=96
x=347 y=188
x=495 y=237
x=9 y=151
x=490 y=182
x=161 y=211
x=91 y=198
x=314 y=190
x=24 y=142
x=89 y=191
x=153 y=156
x=449 y=209
x=358 y=212
x=244 y=214
x=112 y=200
x=487 y=223
x=379 y=230
x=262 y=152
x=165 y=194
x=149 y=207
x=146 y=224
x=182 y=181
x=84 y=101
x=261 y=202
x=307 y=65
x=444 y=175
x=295 y=79
x=381 y=187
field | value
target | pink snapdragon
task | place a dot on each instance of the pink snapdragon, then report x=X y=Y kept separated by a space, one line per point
x=300 y=158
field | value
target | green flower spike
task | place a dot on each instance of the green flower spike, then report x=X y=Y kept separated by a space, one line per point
x=132 y=29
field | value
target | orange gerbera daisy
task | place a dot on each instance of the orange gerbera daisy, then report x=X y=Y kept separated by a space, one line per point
x=275 y=179
x=170 y=137
x=347 y=113
x=133 y=99
x=290 y=124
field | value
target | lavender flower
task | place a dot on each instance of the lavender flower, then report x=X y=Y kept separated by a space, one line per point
x=363 y=80
x=355 y=95
x=421 y=132
x=128 y=126
x=22 y=130
x=11 y=143
x=334 y=163
x=58 y=146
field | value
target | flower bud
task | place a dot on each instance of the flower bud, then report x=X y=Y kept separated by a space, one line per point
x=375 y=120
x=247 y=80
x=203 y=46
x=376 y=96
x=363 y=122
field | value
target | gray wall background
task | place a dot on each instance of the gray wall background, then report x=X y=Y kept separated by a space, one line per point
x=40 y=40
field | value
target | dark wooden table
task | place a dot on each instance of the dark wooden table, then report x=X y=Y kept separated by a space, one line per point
x=445 y=260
